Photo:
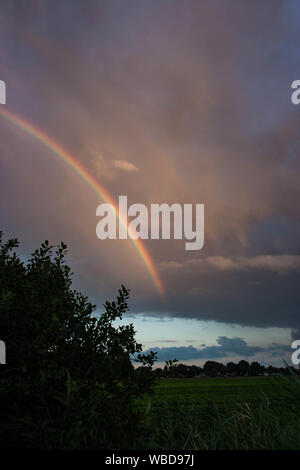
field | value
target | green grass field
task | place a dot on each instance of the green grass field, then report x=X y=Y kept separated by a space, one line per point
x=219 y=390
x=223 y=413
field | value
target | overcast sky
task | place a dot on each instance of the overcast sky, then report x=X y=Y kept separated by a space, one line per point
x=163 y=101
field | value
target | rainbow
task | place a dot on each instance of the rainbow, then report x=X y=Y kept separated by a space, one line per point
x=70 y=160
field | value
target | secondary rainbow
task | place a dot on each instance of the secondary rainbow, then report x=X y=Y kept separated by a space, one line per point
x=62 y=153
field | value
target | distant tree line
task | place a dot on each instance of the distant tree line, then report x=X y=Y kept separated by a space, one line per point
x=216 y=369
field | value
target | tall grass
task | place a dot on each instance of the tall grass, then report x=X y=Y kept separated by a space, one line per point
x=265 y=424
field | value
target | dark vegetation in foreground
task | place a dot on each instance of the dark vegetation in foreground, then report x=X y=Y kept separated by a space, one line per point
x=224 y=413
x=69 y=382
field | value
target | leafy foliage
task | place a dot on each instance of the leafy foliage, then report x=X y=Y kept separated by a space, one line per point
x=69 y=381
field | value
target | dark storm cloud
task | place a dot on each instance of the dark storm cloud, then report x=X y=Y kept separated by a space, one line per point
x=194 y=98
x=279 y=350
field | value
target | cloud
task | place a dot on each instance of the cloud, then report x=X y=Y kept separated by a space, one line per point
x=226 y=347
x=295 y=333
x=124 y=165
x=276 y=263
x=165 y=265
x=279 y=350
x=165 y=341
x=143 y=83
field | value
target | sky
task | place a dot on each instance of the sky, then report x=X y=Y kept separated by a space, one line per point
x=164 y=102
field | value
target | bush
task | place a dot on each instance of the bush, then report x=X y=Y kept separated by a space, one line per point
x=69 y=381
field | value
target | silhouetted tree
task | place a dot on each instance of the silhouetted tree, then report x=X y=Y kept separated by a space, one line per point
x=232 y=368
x=243 y=368
x=213 y=368
x=170 y=367
x=68 y=381
x=256 y=368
